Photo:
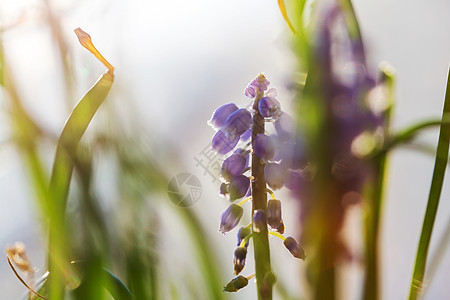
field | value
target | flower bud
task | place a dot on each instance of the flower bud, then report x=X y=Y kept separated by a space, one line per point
x=238 y=187
x=269 y=107
x=274 y=214
x=230 y=218
x=259 y=221
x=236 y=284
x=296 y=250
x=239 y=259
x=221 y=114
x=242 y=233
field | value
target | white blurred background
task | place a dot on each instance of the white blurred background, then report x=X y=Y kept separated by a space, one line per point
x=176 y=61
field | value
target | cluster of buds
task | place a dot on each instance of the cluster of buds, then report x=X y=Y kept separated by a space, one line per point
x=283 y=159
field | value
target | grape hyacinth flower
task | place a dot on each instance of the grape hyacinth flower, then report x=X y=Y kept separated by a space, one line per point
x=230 y=218
x=296 y=250
x=274 y=215
x=222 y=143
x=269 y=107
x=238 y=122
x=221 y=115
x=233 y=166
x=238 y=187
x=239 y=259
x=234 y=127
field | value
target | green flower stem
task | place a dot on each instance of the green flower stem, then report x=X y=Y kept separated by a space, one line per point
x=259 y=194
x=433 y=200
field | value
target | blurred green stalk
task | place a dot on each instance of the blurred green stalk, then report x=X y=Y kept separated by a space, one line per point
x=371 y=289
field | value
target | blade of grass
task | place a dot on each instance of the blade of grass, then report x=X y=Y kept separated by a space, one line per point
x=437 y=182
x=63 y=165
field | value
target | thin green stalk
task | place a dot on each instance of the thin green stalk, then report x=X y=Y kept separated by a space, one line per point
x=437 y=182
x=259 y=194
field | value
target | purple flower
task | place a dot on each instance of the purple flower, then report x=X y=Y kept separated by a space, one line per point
x=238 y=122
x=269 y=107
x=233 y=166
x=221 y=114
x=274 y=214
x=259 y=84
x=223 y=143
x=230 y=218
x=238 y=187
x=296 y=250
x=274 y=174
x=239 y=259
x=294 y=180
x=259 y=221
x=292 y=154
x=264 y=146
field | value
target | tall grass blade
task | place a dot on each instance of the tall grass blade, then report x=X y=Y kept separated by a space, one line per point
x=437 y=182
